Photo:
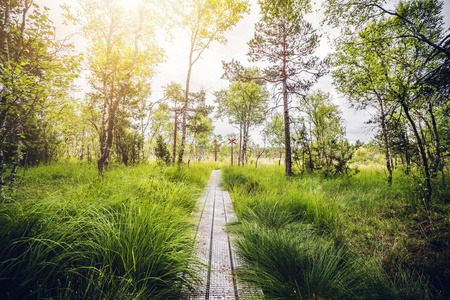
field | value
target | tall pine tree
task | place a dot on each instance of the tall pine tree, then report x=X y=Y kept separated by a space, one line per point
x=287 y=42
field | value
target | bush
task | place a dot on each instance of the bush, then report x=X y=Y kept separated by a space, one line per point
x=162 y=154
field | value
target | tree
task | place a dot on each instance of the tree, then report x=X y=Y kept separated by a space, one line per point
x=351 y=16
x=199 y=125
x=161 y=152
x=200 y=128
x=206 y=21
x=287 y=42
x=326 y=133
x=244 y=104
x=34 y=69
x=118 y=61
x=400 y=71
x=355 y=76
x=275 y=134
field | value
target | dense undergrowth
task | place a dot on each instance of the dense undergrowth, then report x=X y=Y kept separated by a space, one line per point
x=67 y=234
x=340 y=238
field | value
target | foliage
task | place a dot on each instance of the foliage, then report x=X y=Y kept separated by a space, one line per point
x=206 y=21
x=162 y=154
x=244 y=103
x=35 y=70
x=384 y=65
x=273 y=131
x=320 y=137
x=121 y=65
x=287 y=42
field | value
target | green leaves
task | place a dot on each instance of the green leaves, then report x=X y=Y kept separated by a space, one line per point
x=243 y=101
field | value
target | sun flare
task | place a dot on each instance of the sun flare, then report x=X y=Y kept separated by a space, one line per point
x=130 y=4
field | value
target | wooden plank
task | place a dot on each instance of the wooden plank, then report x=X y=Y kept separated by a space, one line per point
x=214 y=248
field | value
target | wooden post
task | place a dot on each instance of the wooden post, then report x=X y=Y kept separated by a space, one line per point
x=231 y=154
x=232 y=142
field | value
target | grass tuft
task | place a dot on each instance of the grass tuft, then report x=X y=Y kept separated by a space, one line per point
x=70 y=235
x=310 y=237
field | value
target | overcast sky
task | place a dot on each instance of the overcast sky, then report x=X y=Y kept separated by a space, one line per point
x=207 y=71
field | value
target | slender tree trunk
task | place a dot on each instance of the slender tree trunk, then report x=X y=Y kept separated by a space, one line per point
x=281 y=154
x=5 y=50
x=103 y=161
x=5 y=25
x=407 y=157
x=258 y=156
x=2 y=168
x=83 y=137
x=113 y=104
x=185 y=107
x=311 y=165
x=215 y=151
x=16 y=164
x=383 y=124
x=93 y=146
x=422 y=134
x=428 y=190
x=244 y=144
x=240 y=143
x=190 y=155
x=303 y=159
x=287 y=130
x=436 y=140
x=436 y=166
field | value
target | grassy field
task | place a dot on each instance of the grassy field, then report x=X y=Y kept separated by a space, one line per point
x=341 y=238
x=67 y=234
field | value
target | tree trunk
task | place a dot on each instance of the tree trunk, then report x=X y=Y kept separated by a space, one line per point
x=428 y=190
x=2 y=169
x=106 y=137
x=240 y=143
x=16 y=164
x=383 y=124
x=287 y=130
x=407 y=157
x=426 y=146
x=258 y=156
x=436 y=166
x=5 y=25
x=215 y=151
x=185 y=107
x=244 y=145
x=105 y=148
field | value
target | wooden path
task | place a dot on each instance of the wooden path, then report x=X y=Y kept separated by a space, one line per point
x=214 y=247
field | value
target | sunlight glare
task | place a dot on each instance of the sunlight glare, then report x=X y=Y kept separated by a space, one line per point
x=130 y=4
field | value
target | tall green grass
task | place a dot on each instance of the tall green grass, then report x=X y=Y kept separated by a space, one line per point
x=67 y=234
x=314 y=238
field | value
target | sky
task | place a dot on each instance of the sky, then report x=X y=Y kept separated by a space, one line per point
x=208 y=70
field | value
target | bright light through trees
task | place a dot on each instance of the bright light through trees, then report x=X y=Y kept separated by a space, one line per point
x=131 y=4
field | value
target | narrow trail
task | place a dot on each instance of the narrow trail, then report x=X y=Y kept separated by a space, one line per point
x=215 y=249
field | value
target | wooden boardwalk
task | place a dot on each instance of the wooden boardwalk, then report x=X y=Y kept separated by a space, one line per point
x=215 y=249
